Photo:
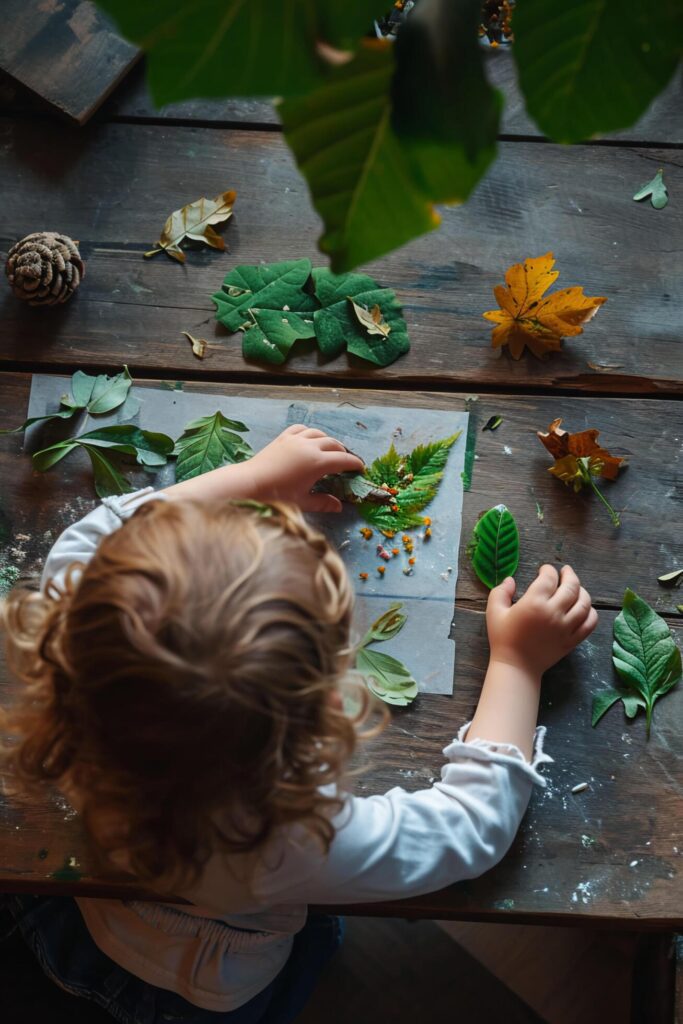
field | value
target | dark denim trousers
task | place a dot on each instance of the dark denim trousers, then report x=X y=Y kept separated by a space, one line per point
x=54 y=930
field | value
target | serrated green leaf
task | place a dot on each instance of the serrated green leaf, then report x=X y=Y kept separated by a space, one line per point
x=108 y=480
x=644 y=652
x=337 y=327
x=656 y=190
x=264 y=286
x=207 y=443
x=416 y=477
x=593 y=66
x=330 y=288
x=272 y=332
x=495 y=546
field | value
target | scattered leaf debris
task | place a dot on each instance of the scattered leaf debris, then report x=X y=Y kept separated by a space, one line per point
x=199 y=345
x=655 y=190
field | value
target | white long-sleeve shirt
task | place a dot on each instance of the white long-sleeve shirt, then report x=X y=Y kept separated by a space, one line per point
x=237 y=935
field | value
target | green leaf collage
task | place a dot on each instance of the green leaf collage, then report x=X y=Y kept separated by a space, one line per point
x=386 y=677
x=278 y=304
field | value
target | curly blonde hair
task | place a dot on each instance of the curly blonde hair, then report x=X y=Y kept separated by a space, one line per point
x=184 y=677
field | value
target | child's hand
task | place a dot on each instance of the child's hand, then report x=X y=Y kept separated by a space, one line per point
x=289 y=466
x=548 y=622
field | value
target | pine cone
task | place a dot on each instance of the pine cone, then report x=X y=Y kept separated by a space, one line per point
x=44 y=268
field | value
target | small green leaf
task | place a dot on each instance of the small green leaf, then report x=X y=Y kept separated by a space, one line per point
x=495 y=546
x=264 y=286
x=386 y=626
x=49 y=457
x=271 y=333
x=671 y=579
x=492 y=423
x=108 y=393
x=386 y=677
x=208 y=443
x=82 y=385
x=644 y=652
x=656 y=190
x=108 y=480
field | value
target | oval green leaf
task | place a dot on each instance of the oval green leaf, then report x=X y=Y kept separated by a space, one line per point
x=495 y=546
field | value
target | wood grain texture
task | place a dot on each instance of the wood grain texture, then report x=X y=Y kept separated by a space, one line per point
x=113 y=187
x=64 y=51
x=611 y=852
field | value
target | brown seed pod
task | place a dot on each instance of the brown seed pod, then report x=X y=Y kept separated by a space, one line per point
x=44 y=268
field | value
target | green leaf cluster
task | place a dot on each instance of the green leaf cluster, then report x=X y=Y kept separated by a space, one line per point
x=145 y=447
x=414 y=476
x=385 y=676
x=94 y=395
x=277 y=304
x=645 y=657
x=384 y=136
x=207 y=443
x=494 y=548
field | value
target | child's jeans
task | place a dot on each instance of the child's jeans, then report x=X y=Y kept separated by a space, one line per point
x=56 y=933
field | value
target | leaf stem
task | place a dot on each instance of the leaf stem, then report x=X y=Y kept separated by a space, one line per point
x=648 y=719
x=152 y=252
x=614 y=516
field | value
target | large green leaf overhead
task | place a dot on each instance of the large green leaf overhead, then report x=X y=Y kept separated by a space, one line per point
x=593 y=66
x=202 y=48
x=374 y=190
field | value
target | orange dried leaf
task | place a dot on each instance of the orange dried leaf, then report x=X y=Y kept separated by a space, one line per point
x=526 y=319
x=568 y=448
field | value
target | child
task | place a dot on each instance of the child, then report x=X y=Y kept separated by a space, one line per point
x=184 y=669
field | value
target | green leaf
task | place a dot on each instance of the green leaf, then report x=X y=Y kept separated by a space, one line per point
x=656 y=190
x=46 y=458
x=386 y=677
x=265 y=286
x=272 y=332
x=147 y=447
x=108 y=393
x=492 y=423
x=416 y=478
x=593 y=66
x=108 y=480
x=330 y=288
x=95 y=394
x=644 y=652
x=362 y=183
x=602 y=702
x=208 y=443
x=439 y=73
x=495 y=546
x=337 y=326
x=386 y=626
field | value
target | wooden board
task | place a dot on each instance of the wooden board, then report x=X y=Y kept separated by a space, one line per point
x=113 y=188
x=610 y=852
x=65 y=51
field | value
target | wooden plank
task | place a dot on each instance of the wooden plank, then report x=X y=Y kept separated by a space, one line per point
x=113 y=188
x=662 y=121
x=132 y=101
x=65 y=51
x=611 y=852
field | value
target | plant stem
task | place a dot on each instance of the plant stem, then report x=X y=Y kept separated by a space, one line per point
x=614 y=516
x=648 y=719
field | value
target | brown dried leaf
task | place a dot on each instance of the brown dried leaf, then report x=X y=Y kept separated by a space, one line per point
x=199 y=345
x=370 y=319
x=194 y=221
x=567 y=448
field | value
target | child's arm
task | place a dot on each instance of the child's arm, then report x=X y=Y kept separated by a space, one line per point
x=285 y=470
x=526 y=639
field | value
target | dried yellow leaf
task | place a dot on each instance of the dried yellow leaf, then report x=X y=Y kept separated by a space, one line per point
x=194 y=221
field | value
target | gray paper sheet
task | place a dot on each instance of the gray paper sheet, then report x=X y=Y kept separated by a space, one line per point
x=428 y=594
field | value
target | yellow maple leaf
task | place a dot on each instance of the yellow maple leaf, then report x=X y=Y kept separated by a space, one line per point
x=525 y=318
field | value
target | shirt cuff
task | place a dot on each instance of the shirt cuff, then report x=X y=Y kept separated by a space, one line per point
x=123 y=505
x=501 y=753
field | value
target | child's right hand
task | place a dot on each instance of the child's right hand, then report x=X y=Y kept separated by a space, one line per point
x=552 y=618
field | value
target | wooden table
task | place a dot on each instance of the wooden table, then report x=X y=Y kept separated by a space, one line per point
x=611 y=854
